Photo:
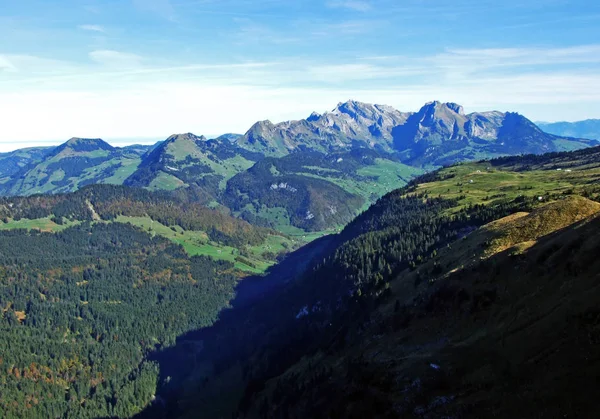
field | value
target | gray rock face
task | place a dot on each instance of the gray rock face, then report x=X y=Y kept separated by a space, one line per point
x=439 y=133
x=350 y=123
x=484 y=125
x=456 y=108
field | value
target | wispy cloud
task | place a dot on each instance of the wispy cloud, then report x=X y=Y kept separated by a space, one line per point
x=92 y=28
x=202 y=96
x=469 y=62
x=116 y=59
x=6 y=65
x=344 y=73
x=22 y=65
x=356 y=5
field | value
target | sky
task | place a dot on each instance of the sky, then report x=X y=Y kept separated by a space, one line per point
x=140 y=70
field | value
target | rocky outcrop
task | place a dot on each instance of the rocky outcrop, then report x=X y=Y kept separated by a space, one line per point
x=349 y=124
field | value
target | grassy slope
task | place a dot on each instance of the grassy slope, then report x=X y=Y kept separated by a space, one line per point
x=39 y=180
x=42 y=224
x=128 y=166
x=166 y=182
x=388 y=175
x=194 y=242
x=491 y=183
x=227 y=168
x=197 y=243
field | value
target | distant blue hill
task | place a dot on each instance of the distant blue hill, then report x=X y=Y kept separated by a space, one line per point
x=590 y=128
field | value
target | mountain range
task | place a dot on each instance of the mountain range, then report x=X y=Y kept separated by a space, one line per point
x=350 y=157
x=437 y=134
x=68 y=167
x=468 y=292
x=590 y=128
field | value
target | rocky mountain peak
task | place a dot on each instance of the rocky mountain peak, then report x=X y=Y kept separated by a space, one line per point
x=431 y=105
x=436 y=106
x=456 y=108
x=262 y=126
x=353 y=107
x=368 y=114
x=315 y=116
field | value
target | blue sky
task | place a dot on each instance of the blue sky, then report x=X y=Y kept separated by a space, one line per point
x=128 y=70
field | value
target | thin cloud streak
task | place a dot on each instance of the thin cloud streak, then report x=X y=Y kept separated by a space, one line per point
x=117 y=94
x=92 y=28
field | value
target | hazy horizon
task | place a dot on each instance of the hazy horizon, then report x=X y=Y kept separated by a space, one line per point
x=149 y=68
x=8 y=146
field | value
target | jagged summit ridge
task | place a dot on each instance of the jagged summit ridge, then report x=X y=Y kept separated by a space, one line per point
x=349 y=124
x=439 y=133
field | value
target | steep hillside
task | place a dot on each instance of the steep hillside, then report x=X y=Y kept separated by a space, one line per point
x=350 y=124
x=438 y=134
x=187 y=159
x=81 y=309
x=441 y=133
x=14 y=161
x=513 y=335
x=590 y=128
x=314 y=191
x=175 y=216
x=74 y=164
x=409 y=293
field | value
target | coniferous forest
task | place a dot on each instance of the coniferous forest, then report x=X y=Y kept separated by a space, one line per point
x=104 y=319
x=82 y=308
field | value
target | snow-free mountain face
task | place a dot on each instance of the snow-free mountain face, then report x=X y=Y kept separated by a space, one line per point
x=72 y=165
x=229 y=137
x=439 y=133
x=590 y=128
x=350 y=124
x=12 y=162
x=187 y=159
x=436 y=135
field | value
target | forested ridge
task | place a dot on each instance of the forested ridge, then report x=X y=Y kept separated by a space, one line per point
x=82 y=308
x=88 y=301
x=328 y=304
x=91 y=313
x=106 y=202
x=315 y=190
x=284 y=352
